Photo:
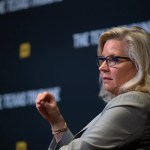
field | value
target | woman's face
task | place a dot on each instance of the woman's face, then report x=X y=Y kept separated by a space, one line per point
x=114 y=77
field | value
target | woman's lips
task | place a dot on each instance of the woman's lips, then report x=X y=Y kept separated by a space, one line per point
x=106 y=78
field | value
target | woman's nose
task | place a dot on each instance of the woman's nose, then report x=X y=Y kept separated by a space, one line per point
x=103 y=67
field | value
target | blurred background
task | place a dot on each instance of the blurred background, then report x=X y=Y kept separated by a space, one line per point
x=51 y=45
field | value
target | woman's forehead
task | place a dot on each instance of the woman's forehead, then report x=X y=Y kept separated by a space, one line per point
x=114 y=47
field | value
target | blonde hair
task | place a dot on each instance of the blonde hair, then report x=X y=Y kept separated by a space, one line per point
x=138 y=50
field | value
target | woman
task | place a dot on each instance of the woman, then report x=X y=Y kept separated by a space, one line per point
x=124 y=65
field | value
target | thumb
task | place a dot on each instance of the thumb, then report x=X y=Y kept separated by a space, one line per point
x=45 y=104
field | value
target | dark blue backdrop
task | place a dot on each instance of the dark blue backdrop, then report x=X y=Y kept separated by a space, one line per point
x=54 y=61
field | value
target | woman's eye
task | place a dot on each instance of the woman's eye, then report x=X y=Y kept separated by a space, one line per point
x=115 y=59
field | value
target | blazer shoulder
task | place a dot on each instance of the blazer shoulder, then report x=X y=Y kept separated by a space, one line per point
x=133 y=99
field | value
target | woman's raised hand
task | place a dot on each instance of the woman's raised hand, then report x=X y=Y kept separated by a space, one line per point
x=48 y=108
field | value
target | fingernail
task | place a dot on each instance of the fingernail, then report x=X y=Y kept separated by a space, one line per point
x=42 y=103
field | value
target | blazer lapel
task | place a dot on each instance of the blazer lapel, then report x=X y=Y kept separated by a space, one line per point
x=78 y=135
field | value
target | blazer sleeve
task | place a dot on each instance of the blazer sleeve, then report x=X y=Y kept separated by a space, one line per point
x=66 y=139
